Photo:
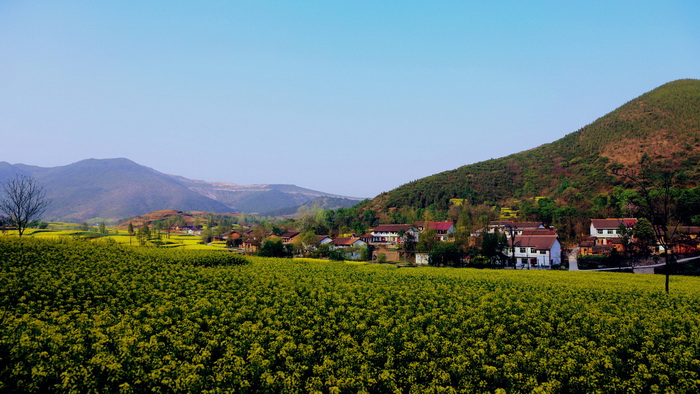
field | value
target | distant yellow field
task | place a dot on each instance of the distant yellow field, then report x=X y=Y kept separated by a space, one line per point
x=59 y=230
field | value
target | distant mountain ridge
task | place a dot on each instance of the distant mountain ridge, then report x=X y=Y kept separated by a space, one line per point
x=120 y=188
x=324 y=202
x=663 y=124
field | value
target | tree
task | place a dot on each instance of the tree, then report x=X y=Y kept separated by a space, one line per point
x=103 y=228
x=644 y=235
x=426 y=240
x=493 y=245
x=144 y=234
x=206 y=236
x=658 y=202
x=24 y=201
x=447 y=254
x=546 y=207
x=306 y=242
x=337 y=255
x=626 y=236
x=408 y=246
x=274 y=248
x=130 y=230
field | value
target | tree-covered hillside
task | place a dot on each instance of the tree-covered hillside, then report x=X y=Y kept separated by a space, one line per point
x=664 y=124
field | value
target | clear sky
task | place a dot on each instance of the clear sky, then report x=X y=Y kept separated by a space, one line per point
x=347 y=97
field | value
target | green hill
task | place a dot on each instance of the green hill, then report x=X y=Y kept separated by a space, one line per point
x=663 y=123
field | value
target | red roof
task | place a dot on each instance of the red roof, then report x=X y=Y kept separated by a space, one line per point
x=613 y=222
x=537 y=242
x=289 y=234
x=439 y=226
x=345 y=241
x=391 y=228
x=540 y=231
x=690 y=229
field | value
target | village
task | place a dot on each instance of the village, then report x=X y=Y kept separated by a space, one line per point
x=522 y=245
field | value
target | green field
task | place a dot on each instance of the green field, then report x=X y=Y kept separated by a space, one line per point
x=89 y=316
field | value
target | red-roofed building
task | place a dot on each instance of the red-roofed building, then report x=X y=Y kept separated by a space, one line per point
x=323 y=239
x=505 y=227
x=391 y=234
x=288 y=237
x=536 y=251
x=346 y=242
x=442 y=229
x=349 y=242
x=540 y=231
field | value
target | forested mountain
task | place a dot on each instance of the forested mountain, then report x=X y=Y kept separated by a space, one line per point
x=120 y=188
x=663 y=124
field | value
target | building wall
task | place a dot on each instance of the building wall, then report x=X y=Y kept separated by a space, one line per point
x=547 y=259
x=422 y=258
x=604 y=232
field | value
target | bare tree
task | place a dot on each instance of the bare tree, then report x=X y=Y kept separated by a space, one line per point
x=23 y=201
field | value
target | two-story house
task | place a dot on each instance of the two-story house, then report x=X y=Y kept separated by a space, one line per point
x=508 y=227
x=442 y=229
x=349 y=242
x=536 y=249
x=391 y=234
x=607 y=231
x=288 y=237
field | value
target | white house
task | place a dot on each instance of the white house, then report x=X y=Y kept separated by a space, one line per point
x=390 y=234
x=349 y=242
x=536 y=250
x=605 y=230
x=324 y=239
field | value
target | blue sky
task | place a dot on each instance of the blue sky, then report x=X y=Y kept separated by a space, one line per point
x=347 y=97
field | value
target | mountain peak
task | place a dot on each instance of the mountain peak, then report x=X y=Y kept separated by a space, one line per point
x=117 y=188
x=663 y=124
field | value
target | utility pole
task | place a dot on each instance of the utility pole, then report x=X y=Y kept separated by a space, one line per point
x=512 y=244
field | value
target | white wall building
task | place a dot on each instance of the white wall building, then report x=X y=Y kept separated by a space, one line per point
x=536 y=251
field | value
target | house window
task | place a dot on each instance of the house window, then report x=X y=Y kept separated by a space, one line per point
x=523 y=250
x=600 y=231
x=543 y=252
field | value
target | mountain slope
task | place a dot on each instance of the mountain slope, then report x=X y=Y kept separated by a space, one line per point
x=257 y=198
x=119 y=188
x=112 y=188
x=325 y=203
x=663 y=123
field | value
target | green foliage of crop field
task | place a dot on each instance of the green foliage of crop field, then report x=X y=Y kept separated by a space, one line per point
x=85 y=316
